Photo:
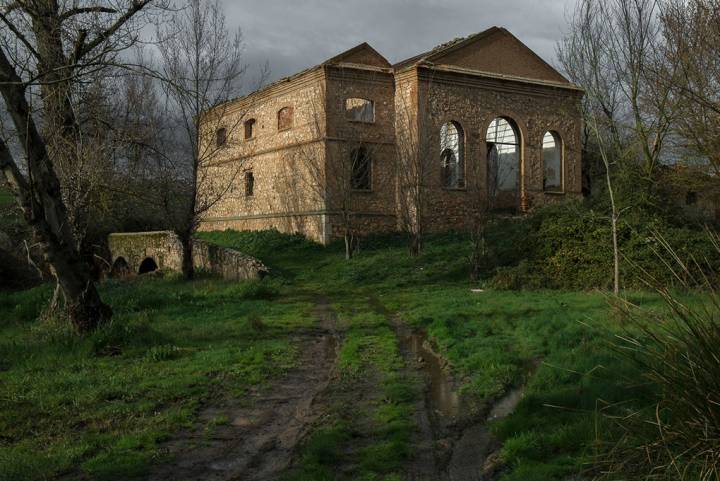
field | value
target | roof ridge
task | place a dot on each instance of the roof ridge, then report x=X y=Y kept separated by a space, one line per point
x=442 y=47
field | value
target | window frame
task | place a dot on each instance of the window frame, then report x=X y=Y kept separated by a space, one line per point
x=249 y=181
x=560 y=147
x=287 y=108
x=218 y=136
x=249 y=123
x=349 y=117
x=518 y=144
x=462 y=186
x=370 y=169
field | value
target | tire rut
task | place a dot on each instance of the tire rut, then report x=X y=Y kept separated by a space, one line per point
x=259 y=439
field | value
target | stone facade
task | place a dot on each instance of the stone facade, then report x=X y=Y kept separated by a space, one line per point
x=143 y=252
x=306 y=177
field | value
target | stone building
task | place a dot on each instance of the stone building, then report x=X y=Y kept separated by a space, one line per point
x=478 y=123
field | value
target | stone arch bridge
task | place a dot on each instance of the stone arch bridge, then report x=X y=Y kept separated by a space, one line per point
x=143 y=252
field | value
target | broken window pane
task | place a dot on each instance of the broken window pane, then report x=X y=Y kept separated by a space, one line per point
x=451 y=156
x=361 y=169
x=360 y=110
x=503 y=156
x=552 y=161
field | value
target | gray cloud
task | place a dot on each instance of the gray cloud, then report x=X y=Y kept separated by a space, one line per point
x=291 y=36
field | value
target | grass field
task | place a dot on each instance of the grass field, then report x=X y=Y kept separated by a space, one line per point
x=104 y=404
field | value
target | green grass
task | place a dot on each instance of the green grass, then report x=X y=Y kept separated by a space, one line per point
x=105 y=403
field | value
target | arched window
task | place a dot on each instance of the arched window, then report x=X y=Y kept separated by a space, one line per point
x=552 y=162
x=249 y=128
x=361 y=169
x=120 y=268
x=220 y=137
x=147 y=265
x=452 y=156
x=360 y=110
x=503 y=149
x=285 y=118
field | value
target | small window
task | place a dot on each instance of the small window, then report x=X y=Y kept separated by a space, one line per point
x=285 y=118
x=691 y=198
x=221 y=137
x=451 y=156
x=249 y=128
x=361 y=169
x=552 y=162
x=360 y=110
x=249 y=184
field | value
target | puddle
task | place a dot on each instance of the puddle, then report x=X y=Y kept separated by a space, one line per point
x=464 y=447
x=442 y=397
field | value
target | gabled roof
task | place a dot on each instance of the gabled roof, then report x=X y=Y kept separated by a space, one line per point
x=360 y=54
x=442 y=48
x=436 y=54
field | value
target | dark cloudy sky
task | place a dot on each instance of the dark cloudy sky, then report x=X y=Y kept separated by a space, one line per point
x=294 y=34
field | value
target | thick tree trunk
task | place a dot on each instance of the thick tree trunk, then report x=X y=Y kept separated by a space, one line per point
x=188 y=268
x=415 y=244
x=40 y=198
x=348 y=246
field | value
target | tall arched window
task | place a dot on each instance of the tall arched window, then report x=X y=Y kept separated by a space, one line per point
x=360 y=169
x=503 y=149
x=249 y=128
x=452 y=156
x=552 y=162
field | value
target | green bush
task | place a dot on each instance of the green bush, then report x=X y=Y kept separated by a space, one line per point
x=570 y=247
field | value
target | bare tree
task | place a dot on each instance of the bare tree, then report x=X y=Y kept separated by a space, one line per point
x=614 y=50
x=46 y=50
x=200 y=63
x=692 y=41
x=418 y=158
x=339 y=174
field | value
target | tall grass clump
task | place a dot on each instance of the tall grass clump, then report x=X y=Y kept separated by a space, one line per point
x=677 y=437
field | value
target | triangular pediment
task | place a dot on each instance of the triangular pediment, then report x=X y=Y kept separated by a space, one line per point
x=496 y=51
x=362 y=54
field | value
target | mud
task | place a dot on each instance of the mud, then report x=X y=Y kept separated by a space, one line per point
x=259 y=439
x=453 y=440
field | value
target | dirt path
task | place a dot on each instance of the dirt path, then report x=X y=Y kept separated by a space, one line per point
x=258 y=441
x=453 y=442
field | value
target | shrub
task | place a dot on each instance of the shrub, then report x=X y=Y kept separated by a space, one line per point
x=678 y=437
x=569 y=247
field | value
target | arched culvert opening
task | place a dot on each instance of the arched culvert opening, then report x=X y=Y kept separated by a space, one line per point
x=120 y=268
x=147 y=265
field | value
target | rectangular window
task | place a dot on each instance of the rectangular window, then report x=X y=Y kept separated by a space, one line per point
x=360 y=110
x=285 y=118
x=249 y=128
x=361 y=169
x=249 y=184
x=220 y=137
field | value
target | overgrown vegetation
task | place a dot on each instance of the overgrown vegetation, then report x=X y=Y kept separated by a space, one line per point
x=103 y=404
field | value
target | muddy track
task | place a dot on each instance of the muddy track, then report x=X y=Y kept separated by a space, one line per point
x=453 y=442
x=259 y=439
